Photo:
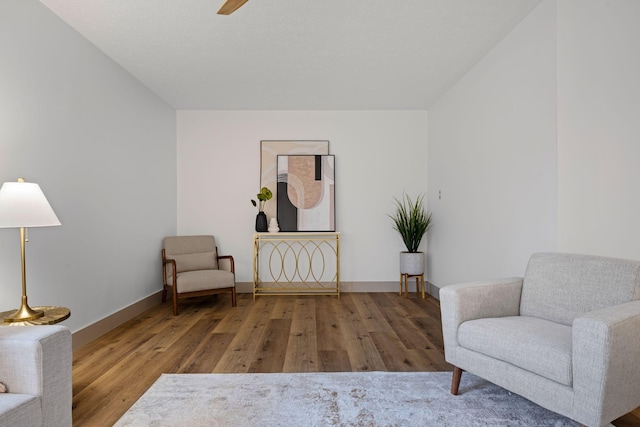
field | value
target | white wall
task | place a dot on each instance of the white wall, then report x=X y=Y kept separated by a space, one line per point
x=378 y=156
x=492 y=154
x=534 y=149
x=102 y=148
x=599 y=127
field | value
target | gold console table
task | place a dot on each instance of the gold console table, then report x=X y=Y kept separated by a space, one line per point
x=300 y=263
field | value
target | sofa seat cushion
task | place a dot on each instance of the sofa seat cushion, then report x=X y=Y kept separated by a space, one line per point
x=20 y=410
x=530 y=343
x=193 y=281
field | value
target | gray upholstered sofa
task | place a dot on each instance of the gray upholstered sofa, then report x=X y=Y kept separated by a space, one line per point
x=566 y=336
x=35 y=364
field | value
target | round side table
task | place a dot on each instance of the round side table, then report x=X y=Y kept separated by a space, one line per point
x=52 y=315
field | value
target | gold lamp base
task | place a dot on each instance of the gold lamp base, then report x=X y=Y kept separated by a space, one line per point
x=24 y=314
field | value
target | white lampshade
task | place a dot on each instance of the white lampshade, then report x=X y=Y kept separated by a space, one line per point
x=23 y=204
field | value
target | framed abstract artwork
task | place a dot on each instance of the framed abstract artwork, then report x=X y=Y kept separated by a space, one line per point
x=306 y=192
x=269 y=151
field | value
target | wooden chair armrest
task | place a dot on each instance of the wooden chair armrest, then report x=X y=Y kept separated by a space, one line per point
x=231 y=262
x=166 y=261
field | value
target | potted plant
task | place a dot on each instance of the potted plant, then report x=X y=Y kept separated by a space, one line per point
x=412 y=221
x=261 y=219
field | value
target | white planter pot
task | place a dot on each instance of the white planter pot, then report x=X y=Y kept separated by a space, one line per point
x=412 y=263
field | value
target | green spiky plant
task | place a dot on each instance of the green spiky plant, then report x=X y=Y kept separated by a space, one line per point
x=411 y=220
x=264 y=195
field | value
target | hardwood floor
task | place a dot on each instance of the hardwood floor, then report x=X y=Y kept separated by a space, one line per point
x=357 y=332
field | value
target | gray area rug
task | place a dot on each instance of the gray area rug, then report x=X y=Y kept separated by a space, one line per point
x=333 y=399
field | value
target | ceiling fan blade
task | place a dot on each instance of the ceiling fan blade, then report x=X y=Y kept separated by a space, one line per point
x=230 y=6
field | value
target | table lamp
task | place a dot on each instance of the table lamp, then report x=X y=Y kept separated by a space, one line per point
x=22 y=205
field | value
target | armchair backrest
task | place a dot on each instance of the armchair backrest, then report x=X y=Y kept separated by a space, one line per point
x=192 y=252
x=560 y=287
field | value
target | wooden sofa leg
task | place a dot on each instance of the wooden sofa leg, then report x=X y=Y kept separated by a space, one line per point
x=455 y=380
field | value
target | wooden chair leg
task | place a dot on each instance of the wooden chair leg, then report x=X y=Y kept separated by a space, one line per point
x=455 y=380
x=233 y=297
x=175 y=300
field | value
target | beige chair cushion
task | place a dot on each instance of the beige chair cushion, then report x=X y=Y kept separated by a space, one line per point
x=194 y=262
x=178 y=245
x=201 y=280
x=191 y=252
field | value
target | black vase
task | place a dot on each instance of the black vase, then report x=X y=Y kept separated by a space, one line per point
x=261 y=222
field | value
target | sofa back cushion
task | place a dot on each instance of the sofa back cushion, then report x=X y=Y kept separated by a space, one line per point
x=560 y=287
x=192 y=252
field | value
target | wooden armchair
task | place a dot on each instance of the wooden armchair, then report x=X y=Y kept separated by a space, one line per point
x=191 y=267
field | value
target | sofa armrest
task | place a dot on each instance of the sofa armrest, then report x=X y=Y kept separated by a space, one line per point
x=477 y=300
x=606 y=373
x=37 y=360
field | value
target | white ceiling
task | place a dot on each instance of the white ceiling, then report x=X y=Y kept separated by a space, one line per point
x=296 y=54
